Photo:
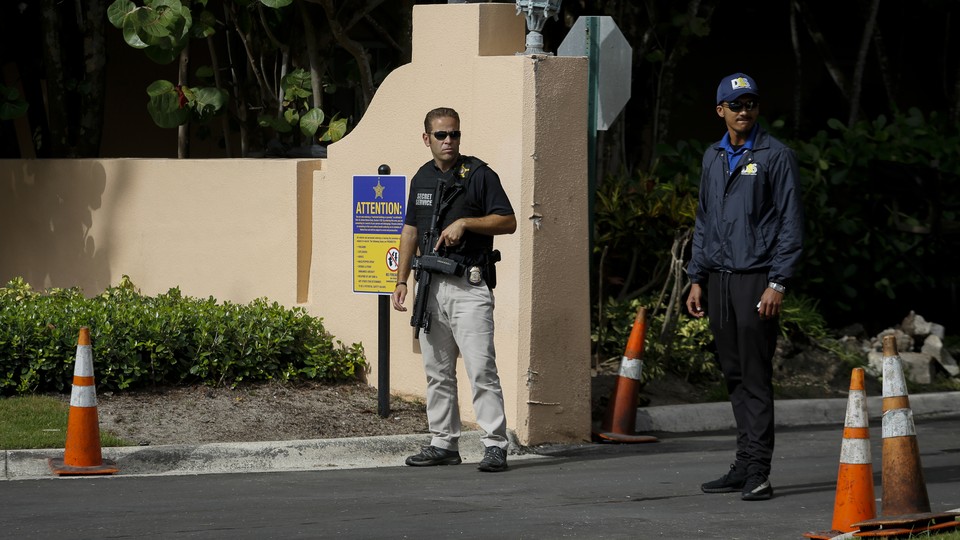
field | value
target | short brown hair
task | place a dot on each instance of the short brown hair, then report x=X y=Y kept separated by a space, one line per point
x=439 y=112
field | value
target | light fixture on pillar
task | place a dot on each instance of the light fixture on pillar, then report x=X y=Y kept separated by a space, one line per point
x=537 y=12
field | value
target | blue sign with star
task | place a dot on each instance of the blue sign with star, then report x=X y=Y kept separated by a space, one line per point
x=378 y=212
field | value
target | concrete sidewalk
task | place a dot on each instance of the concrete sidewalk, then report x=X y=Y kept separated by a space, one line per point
x=390 y=451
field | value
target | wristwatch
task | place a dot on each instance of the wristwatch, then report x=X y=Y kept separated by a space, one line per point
x=777 y=287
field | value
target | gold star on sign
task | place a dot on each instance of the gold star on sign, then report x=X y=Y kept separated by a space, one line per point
x=378 y=190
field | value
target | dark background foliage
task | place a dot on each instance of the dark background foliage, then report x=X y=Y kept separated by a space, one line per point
x=868 y=93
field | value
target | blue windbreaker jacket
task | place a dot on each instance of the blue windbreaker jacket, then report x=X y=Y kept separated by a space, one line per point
x=749 y=219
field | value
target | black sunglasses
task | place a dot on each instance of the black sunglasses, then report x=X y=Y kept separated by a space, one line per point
x=442 y=135
x=736 y=106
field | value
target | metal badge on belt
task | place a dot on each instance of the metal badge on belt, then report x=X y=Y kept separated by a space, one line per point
x=474 y=275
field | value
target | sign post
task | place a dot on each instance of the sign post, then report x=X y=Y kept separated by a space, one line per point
x=609 y=61
x=378 y=212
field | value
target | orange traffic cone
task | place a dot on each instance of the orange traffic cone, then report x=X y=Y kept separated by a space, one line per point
x=854 y=498
x=82 y=452
x=620 y=422
x=906 y=507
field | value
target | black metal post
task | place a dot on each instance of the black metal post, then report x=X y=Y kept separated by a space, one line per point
x=383 y=343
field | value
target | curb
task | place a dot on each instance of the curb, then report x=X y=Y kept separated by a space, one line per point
x=718 y=416
x=390 y=451
x=251 y=457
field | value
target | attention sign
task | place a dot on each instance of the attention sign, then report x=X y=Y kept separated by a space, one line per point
x=378 y=211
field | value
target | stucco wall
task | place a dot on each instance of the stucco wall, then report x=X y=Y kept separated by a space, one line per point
x=240 y=229
x=226 y=227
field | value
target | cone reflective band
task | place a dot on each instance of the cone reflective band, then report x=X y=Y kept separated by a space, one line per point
x=904 y=489
x=631 y=365
x=81 y=454
x=620 y=421
x=897 y=414
x=631 y=368
x=854 y=497
x=84 y=393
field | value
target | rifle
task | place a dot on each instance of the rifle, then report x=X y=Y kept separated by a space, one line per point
x=431 y=261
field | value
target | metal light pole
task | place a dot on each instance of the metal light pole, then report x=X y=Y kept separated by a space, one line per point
x=537 y=12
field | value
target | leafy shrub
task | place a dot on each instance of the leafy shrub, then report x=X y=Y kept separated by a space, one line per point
x=168 y=339
x=688 y=352
x=882 y=203
x=637 y=219
x=801 y=320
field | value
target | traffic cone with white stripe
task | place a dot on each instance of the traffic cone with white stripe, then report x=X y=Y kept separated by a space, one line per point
x=82 y=454
x=854 y=498
x=904 y=489
x=620 y=422
x=906 y=507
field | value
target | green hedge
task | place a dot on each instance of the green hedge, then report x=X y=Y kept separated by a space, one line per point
x=143 y=341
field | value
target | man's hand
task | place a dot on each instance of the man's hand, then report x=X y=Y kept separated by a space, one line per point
x=770 y=303
x=492 y=225
x=399 y=296
x=693 y=301
x=452 y=235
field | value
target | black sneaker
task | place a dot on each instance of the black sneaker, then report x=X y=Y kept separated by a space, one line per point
x=757 y=488
x=734 y=480
x=494 y=459
x=431 y=455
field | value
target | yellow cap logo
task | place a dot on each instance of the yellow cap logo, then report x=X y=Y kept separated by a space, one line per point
x=740 y=82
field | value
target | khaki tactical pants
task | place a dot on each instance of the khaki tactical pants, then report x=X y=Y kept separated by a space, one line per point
x=461 y=323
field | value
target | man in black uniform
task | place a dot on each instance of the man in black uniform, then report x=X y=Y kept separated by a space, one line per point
x=473 y=209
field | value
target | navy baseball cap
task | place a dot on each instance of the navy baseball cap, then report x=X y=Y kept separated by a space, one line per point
x=734 y=86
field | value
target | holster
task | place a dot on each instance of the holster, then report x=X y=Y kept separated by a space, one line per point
x=490 y=268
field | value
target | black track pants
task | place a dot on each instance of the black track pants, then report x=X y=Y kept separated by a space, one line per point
x=745 y=347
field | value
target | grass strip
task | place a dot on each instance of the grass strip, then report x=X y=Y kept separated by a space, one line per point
x=31 y=422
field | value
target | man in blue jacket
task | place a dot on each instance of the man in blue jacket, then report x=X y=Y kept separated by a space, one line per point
x=746 y=244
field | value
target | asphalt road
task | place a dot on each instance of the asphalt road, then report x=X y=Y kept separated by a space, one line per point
x=590 y=491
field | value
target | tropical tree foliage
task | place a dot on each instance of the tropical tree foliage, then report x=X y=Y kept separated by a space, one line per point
x=842 y=61
x=264 y=73
x=13 y=105
x=270 y=31
x=847 y=61
x=882 y=201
